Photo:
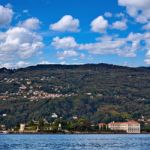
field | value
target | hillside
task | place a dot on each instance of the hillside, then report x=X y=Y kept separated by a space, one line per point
x=98 y=92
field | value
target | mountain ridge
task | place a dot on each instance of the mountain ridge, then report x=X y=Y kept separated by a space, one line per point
x=68 y=66
x=98 y=92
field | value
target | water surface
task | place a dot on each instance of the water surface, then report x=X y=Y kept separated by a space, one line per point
x=75 y=142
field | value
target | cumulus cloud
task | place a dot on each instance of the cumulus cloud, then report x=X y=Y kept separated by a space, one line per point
x=20 y=64
x=66 y=24
x=144 y=4
x=6 y=15
x=125 y=47
x=139 y=37
x=19 y=42
x=120 y=15
x=120 y=25
x=7 y=65
x=64 y=43
x=147 y=61
x=99 y=24
x=147 y=26
x=31 y=23
x=67 y=54
x=108 y=14
x=102 y=47
x=45 y=62
x=139 y=9
x=67 y=45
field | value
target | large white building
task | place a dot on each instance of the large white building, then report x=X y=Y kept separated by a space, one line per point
x=129 y=127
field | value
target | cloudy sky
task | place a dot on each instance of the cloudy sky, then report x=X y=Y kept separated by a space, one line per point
x=74 y=32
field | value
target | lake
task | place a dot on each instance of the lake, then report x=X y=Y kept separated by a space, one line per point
x=75 y=142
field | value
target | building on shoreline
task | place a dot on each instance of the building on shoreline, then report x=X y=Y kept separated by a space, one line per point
x=22 y=127
x=103 y=126
x=128 y=127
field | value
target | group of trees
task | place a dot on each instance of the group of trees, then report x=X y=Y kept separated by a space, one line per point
x=80 y=124
x=100 y=93
x=93 y=110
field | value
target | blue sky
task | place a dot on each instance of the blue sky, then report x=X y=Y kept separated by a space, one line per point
x=74 y=32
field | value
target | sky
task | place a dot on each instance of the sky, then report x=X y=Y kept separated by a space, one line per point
x=74 y=32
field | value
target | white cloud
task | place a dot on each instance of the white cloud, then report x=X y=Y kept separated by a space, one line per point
x=31 y=23
x=45 y=62
x=137 y=38
x=120 y=25
x=108 y=14
x=19 y=42
x=125 y=47
x=106 y=45
x=6 y=65
x=67 y=54
x=141 y=19
x=63 y=63
x=147 y=26
x=120 y=15
x=147 y=61
x=139 y=9
x=66 y=24
x=65 y=43
x=144 y=4
x=103 y=47
x=82 y=56
x=20 y=64
x=6 y=15
x=99 y=24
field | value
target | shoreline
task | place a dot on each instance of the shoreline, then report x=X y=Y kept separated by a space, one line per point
x=70 y=133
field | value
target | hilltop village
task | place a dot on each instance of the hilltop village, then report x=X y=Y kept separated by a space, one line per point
x=24 y=88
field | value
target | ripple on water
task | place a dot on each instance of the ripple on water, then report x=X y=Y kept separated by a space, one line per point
x=75 y=142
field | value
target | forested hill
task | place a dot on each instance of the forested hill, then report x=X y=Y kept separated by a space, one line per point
x=98 y=92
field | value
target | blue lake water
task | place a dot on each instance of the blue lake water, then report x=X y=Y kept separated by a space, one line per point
x=75 y=142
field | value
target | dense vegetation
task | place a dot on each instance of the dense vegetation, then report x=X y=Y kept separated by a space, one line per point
x=98 y=92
